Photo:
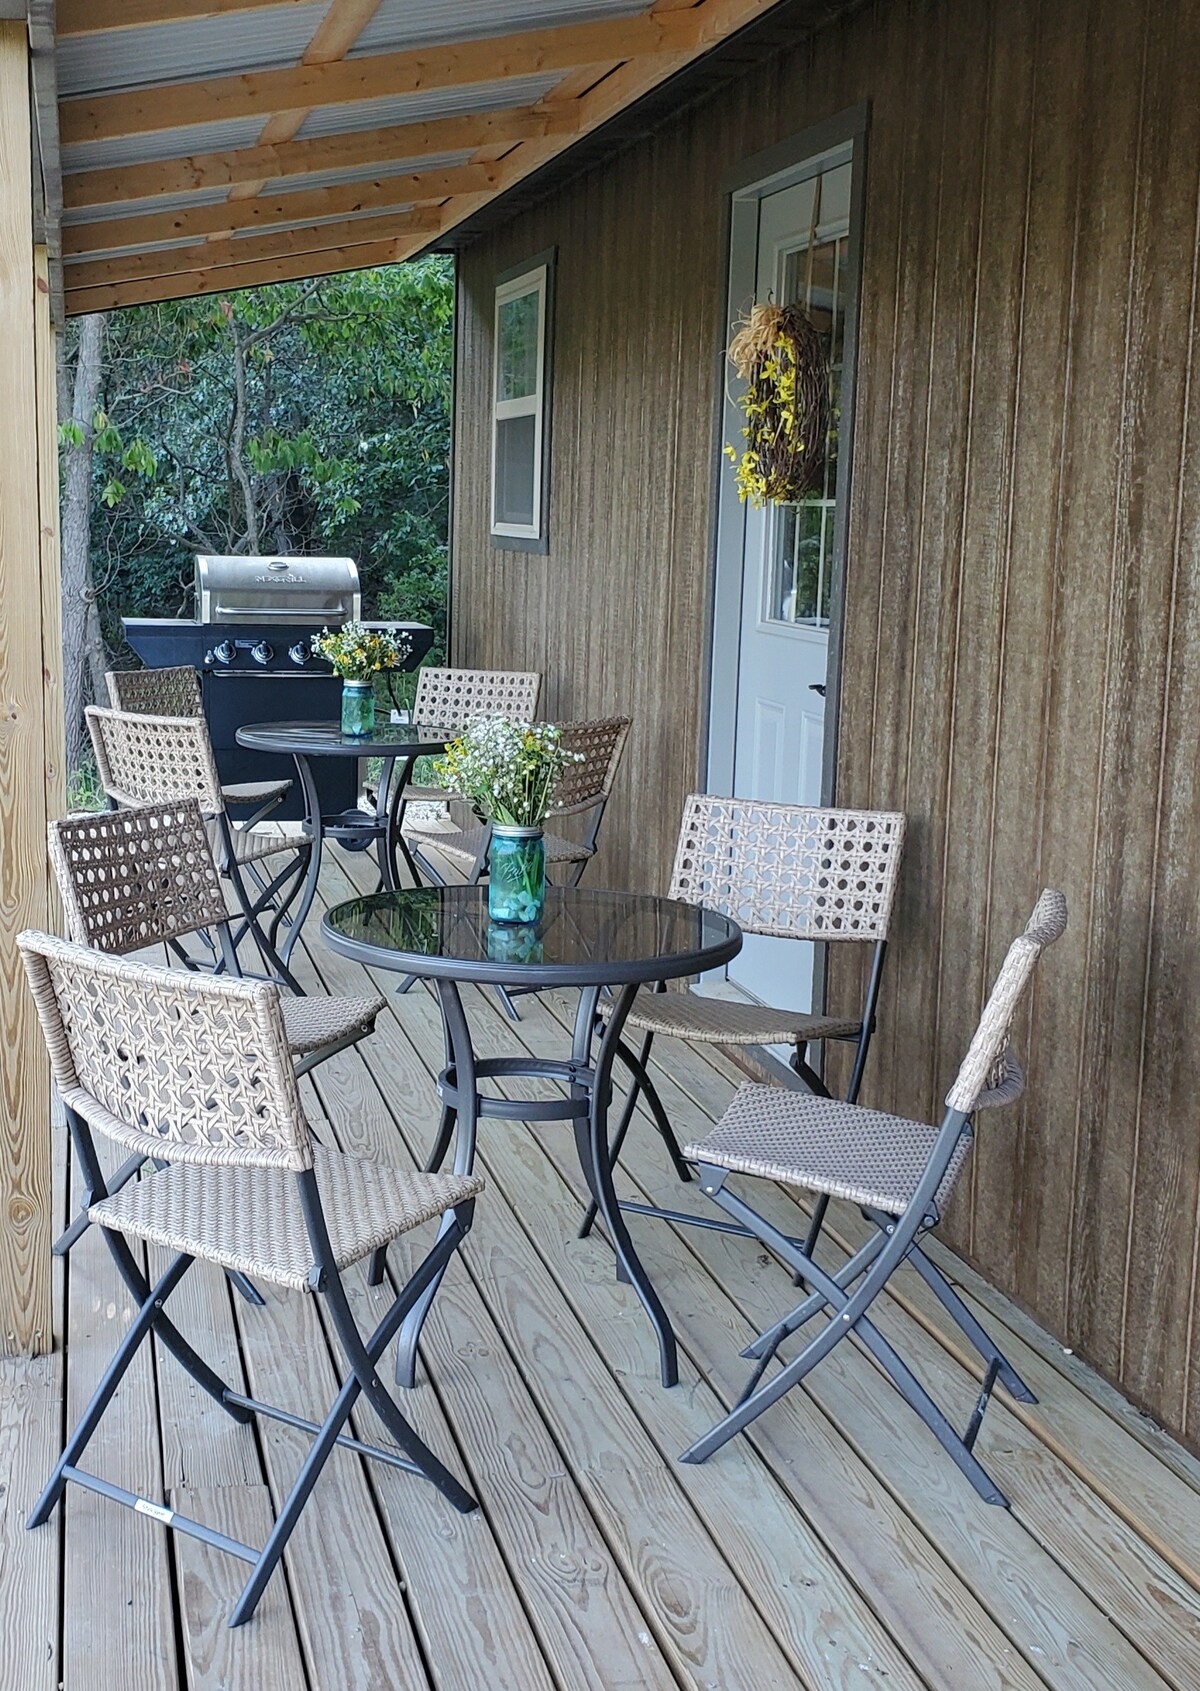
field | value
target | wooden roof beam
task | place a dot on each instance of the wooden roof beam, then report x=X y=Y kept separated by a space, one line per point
x=415 y=226
x=346 y=151
x=230 y=216
x=141 y=111
x=298 y=267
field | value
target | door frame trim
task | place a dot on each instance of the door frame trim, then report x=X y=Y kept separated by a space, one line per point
x=752 y=180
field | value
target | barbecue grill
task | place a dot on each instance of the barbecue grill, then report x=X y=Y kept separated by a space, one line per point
x=249 y=639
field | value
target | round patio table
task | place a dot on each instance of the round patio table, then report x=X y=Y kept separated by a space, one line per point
x=396 y=743
x=587 y=938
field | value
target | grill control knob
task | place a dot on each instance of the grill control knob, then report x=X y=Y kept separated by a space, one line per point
x=298 y=653
x=225 y=652
x=262 y=653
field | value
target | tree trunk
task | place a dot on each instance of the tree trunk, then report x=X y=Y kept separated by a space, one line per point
x=84 y=658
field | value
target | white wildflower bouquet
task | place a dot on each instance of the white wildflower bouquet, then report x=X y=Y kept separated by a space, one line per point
x=508 y=770
x=358 y=653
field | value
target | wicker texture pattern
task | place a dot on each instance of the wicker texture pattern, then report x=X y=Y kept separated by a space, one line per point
x=156 y=692
x=251 y=1220
x=133 y=878
x=184 y=1067
x=451 y=698
x=599 y=745
x=723 y=1021
x=176 y=692
x=309 y=1023
x=865 y=1156
x=788 y=870
x=988 y=1065
x=148 y=759
x=250 y=845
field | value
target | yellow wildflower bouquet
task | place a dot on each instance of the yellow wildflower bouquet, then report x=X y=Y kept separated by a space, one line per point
x=508 y=770
x=779 y=354
x=358 y=653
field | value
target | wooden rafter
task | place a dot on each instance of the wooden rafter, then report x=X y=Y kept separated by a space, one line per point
x=289 y=268
x=413 y=226
x=278 y=209
x=244 y=262
x=379 y=75
x=324 y=152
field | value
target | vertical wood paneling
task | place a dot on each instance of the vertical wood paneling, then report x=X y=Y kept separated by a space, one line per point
x=1023 y=585
x=25 y=1313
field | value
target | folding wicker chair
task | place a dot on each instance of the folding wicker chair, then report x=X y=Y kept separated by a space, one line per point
x=791 y=872
x=900 y=1173
x=156 y=759
x=131 y=879
x=453 y=698
x=176 y=692
x=194 y=1073
x=583 y=792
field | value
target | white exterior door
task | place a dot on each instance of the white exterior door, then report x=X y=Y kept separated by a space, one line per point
x=785 y=556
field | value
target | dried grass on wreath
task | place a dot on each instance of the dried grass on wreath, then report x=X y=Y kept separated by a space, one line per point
x=779 y=353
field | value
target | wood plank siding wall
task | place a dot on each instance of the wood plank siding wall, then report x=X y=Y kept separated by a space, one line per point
x=1022 y=640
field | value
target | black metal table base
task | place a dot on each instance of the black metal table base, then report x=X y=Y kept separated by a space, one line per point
x=589 y=1093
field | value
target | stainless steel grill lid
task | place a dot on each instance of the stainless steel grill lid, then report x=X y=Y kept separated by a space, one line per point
x=236 y=589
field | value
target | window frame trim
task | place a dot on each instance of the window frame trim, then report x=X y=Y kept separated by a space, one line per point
x=535 y=274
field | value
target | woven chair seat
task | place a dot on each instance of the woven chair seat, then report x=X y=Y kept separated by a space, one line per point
x=723 y=1021
x=250 y=1219
x=310 y=1023
x=866 y=1156
x=464 y=845
x=253 y=792
x=250 y=845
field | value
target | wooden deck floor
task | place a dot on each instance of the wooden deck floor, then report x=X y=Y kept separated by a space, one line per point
x=834 y=1547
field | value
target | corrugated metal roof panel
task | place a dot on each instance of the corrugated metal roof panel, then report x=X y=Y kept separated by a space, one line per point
x=431 y=103
x=138 y=208
x=118 y=252
x=365 y=172
x=407 y=23
x=163 y=144
x=321 y=222
x=179 y=52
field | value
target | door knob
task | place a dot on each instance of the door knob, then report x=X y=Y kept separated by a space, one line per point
x=817 y=687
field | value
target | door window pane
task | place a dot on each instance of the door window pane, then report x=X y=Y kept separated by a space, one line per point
x=815 y=273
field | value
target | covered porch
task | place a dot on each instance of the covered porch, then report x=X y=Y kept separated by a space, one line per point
x=834 y=1546
x=1023 y=408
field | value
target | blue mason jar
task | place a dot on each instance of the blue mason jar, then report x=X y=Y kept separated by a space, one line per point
x=358 y=707
x=516 y=874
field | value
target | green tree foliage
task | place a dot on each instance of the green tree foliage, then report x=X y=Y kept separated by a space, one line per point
x=300 y=418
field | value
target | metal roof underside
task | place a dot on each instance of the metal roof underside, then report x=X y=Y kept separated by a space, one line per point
x=210 y=144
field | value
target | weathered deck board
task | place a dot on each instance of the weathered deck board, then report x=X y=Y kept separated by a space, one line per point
x=835 y=1547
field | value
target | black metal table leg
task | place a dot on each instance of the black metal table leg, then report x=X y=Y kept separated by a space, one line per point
x=312 y=805
x=591 y=1136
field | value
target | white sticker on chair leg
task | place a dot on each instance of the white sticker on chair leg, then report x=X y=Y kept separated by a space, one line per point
x=156 y=1511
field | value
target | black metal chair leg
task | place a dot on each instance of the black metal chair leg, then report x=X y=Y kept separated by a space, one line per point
x=139 y=1330
x=977 y=1334
x=362 y=1356
x=243 y=1284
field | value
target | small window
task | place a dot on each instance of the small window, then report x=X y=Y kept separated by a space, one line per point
x=519 y=422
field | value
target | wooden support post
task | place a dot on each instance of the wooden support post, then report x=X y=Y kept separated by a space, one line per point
x=30 y=713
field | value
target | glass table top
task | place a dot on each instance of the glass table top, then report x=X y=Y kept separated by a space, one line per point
x=325 y=739
x=586 y=937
